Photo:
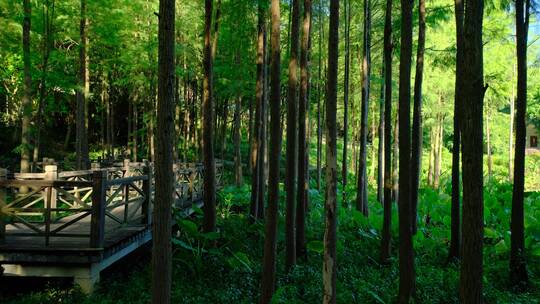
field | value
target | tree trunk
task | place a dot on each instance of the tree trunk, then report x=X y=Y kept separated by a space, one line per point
x=303 y=156
x=488 y=146
x=48 y=18
x=511 y=139
x=161 y=249
x=387 y=196
x=380 y=147
x=473 y=203
x=82 y=94
x=417 y=134
x=135 y=132
x=26 y=104
x=329 y=257
x=237 y=153
x=437 y=153
x=263 y=160
x=259 y=100
x=292 y=119
x=209 y=184
x=361 y=191
x=454 y=252
x=518 y=269
x=270 y=240
x=224 y=127
x=319 y=97
x=406 y=254
x=347 y=12
x=395 y=159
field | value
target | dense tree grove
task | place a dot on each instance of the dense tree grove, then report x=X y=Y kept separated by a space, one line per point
x=394 y=143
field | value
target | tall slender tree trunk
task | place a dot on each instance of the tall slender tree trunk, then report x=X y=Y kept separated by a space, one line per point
x=406 y=254
x=259 y=100
x=511 y=138
x=454 y=252
x=263 y=160
x=135 y=132
x=48 y=17
x=319 y=97
x=347 y=12
x=387 y=197
x=380 y=146
x=361 y=191
x=162 y=213
x=224 y=127
x=395 y=159
x=303 y=160
x=488 y=145
x=82 y=94
x=329 y=257
x=437 y=152
x=417 y=134
x=292 y=136
x=518 y=269
x=268 y=281
x=473 y=201
x=209 y=184
x=27 y=96
x=237 y=153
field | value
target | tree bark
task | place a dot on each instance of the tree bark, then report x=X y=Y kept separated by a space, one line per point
x=48 y=18
x=380 y=147
x=237 y=154
x=347 y=12
x=270 y=240
x=473 y=209
x=259 y=100
x=319 y=97
x=395 y=159
x=329 y=257
x=488 y=145
x=518 y=269
x=454 y=252
x=263 y=160
x=82 y=94
x=303 y=156
x=406 y=254
x=292 y=136
x=387 y=197
x=209 y=184
x=26 y=104
x=162 y=213
x=361 y=191
x=417 y=134
x=511 y=138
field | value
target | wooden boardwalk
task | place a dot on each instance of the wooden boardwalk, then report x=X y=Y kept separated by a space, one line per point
x=77 y=223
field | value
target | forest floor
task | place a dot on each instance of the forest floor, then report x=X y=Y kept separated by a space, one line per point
x=230 y=272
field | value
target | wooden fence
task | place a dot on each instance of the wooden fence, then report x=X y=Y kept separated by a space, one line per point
x=88 y=204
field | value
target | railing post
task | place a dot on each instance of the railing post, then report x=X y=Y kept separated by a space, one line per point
x=97 y=223
x=126 y=167
x=51 y=173
x=147 y=189
x=3 y=177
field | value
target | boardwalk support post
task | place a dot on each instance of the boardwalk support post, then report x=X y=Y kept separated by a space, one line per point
x=51 y=173
x=147 y=189
x=3 y=177
x=97 y=223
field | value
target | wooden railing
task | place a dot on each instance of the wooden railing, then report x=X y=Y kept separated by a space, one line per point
x=88 y=204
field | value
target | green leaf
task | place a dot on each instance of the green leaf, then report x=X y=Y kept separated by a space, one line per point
x=316 y=246
x=490 y=233
x=189 y=227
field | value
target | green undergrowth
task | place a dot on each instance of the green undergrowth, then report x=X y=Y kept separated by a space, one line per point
x=225 y=266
